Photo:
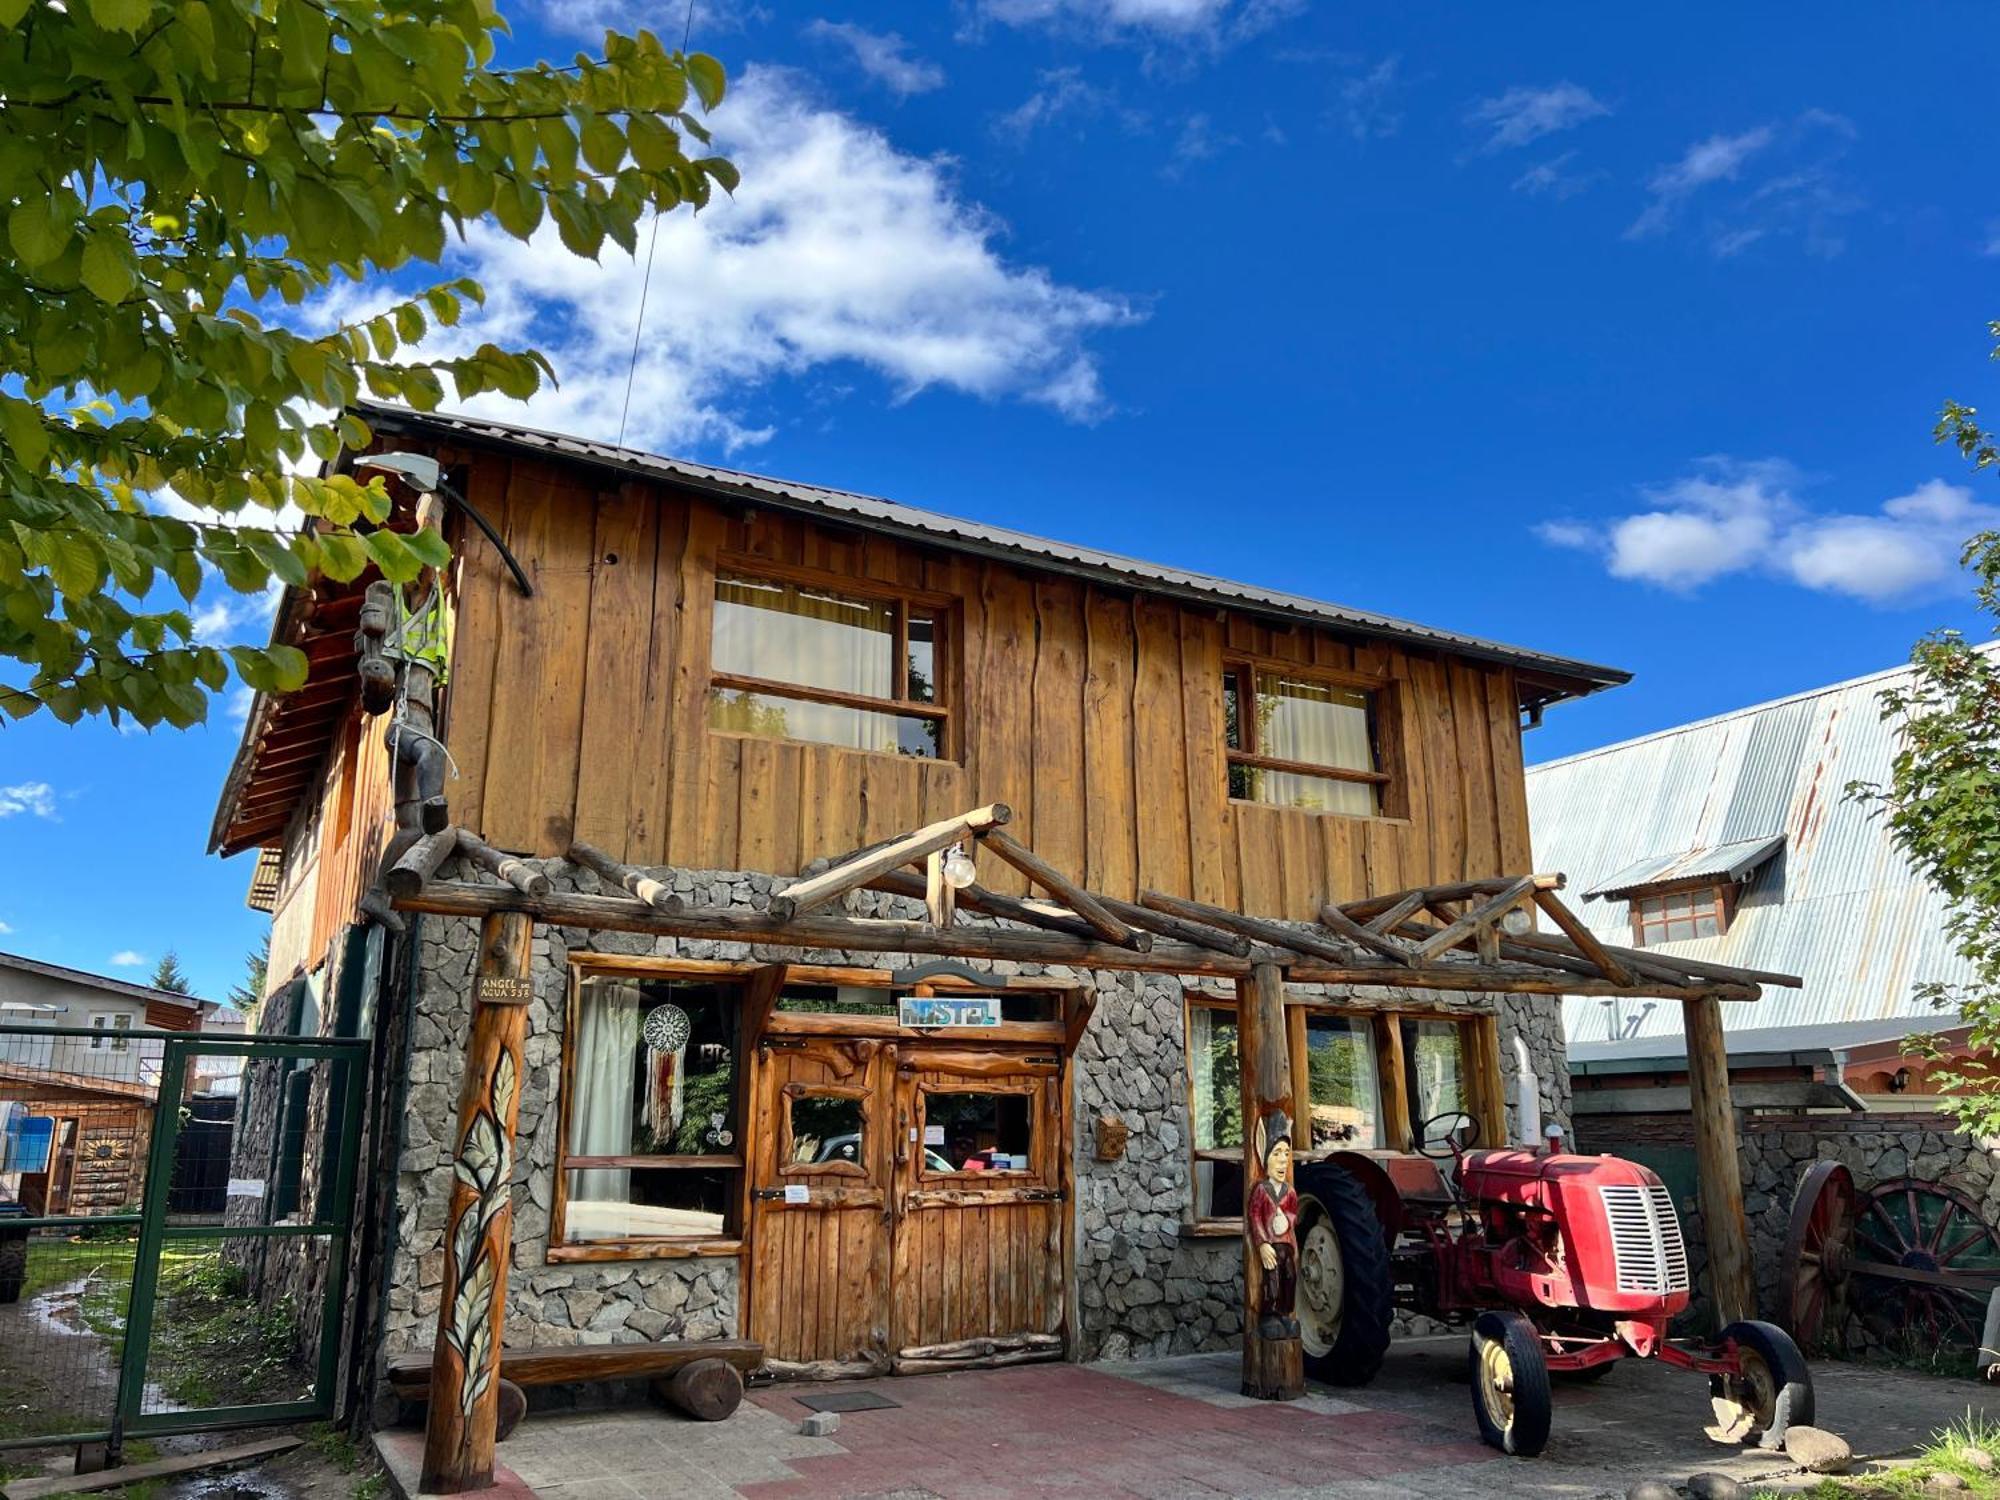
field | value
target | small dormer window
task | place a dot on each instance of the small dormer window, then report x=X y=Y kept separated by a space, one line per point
x=1701 y=911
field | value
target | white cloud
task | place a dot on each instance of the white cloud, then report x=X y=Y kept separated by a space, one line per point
x=883 y=56
x=128 y=958
x=35 y=798
x=839 y=250
x=1064 y=96
x=1525 y=114
x=1368 y=104
x=239 y=703
x=1213 y=22
x=1803 y=195
x=5 y=929
x=1198 y=142
x=1556 y=178
x=1745 y=517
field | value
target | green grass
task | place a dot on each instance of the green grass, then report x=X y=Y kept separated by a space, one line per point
x=1947 y=1452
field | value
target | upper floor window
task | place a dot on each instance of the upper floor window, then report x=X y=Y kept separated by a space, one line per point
x=1676 y=916
x=1297 y=740
x=112 y=1026
x=800 y=662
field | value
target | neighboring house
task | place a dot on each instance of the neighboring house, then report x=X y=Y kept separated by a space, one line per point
x=721 y=678
x=1733 y=840
x=79 y=1109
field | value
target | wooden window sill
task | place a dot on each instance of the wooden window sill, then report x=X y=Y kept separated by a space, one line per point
x=642 y=1250
x=1213 y=1229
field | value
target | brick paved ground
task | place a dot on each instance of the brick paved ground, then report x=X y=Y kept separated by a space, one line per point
x=1177 y=1428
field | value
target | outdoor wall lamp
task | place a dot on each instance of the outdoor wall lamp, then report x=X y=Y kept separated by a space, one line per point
x=425 y=475
x=959 y=871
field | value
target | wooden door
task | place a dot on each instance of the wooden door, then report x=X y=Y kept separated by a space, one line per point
x=820 y=1203
x=978 y=1253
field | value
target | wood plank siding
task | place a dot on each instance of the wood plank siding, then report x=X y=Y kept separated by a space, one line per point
x=1097 y=714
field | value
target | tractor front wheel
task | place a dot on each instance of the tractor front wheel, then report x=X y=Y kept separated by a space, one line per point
x=1344 y=1300
x=1510 y=1384
x=1771 y=1391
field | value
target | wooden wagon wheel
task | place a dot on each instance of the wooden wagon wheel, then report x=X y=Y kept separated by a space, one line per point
x=1925 y=1263
x=1819 y=1247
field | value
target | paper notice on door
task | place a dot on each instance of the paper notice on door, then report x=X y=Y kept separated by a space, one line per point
x=934 y=1135
x=246 y=1187
x=797 y=1192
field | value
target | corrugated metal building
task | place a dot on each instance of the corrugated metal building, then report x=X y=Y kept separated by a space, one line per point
x=1760 y=795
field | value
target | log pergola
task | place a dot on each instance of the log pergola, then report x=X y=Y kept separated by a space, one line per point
x=1468 y=935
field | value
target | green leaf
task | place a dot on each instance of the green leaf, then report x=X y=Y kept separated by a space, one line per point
x=709 y=81
x=107 y=266
x=39 y=231
x=393 y=556
x=121 y=15
x=21 y=424
x=342 y=556
x=429 y=547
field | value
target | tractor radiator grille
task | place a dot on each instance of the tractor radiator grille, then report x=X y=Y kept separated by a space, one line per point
x=1646 y=1239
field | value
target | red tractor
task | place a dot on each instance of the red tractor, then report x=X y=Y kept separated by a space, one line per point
x=1563 y=1265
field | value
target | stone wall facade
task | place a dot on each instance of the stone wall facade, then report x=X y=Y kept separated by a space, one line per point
x=1143 y=1287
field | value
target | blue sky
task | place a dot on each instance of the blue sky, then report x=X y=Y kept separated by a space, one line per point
x=1617 y=335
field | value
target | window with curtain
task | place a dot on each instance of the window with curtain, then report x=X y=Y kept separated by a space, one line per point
x=1676 y=916
x=652 y=1147
x=1296 y=740
x=1215 y=1112
x=800 y=662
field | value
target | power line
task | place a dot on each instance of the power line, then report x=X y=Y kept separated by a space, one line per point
x=646 y=281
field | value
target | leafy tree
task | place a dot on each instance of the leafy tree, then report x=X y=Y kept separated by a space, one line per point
x=248 y=992
x=168 y=975
x=1942 y=802
x=179 y=180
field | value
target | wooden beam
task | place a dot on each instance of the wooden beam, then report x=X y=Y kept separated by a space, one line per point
x=1392 y=918
x=1663 y=966
x=155 y=1469
x=1199 y=933
x=1273 y=1358
x=1367 y=938
x=643 y=887
x=939 y=893
x=419 y=862
x=1256 y=928
x=459 y=1430
x=803 y=896
x=991 y=903
x=518 y=873
x=1718 y=1173
x=1057 y=884
x=622 y=914
x=1585 y=940
x=1489 y=911
x=1459 y=890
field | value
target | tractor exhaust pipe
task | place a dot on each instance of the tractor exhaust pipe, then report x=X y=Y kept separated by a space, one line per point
x=1527 y=1097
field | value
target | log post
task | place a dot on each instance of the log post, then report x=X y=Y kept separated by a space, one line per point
x=1274 y=1368
x=460 y=1430
x=1718 y=1171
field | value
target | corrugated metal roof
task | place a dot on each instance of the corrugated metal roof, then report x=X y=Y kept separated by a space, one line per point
x=1731 y=862
x=1572 y=678
x=1759 y=1044
x=1837 y=905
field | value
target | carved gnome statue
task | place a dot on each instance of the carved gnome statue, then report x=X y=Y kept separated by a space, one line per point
x=1271 y=1214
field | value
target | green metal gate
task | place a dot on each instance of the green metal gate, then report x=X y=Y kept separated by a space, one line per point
x=213 y=1299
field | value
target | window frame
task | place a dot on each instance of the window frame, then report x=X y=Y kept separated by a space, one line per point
x=1006 y=1176
x=1721 y=905
x=111 y=1035
x=1383 y=739
x=558 y=1249
x=1479 y=1049
x=945 y=689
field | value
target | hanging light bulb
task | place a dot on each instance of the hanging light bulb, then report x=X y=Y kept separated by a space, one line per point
x=959 y=871
x=1517 y=922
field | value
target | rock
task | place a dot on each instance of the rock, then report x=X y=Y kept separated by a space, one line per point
x=820 y=1424
x=1944 y=1479
x=1709 y=1485
x=1652 y=1489
x=1818 y=1450
x=1976 y=1458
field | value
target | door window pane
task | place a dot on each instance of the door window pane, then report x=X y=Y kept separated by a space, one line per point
x=836 y=1000
x=977 y=1132
x=1341 y=1083
x=827 y=1130
x=1434 y=1055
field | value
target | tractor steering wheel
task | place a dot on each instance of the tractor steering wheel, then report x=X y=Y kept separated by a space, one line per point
x=1439 y=1144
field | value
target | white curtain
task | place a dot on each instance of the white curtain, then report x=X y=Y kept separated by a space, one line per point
x=601 y=1091
x=1321 y=725
x=789 y=633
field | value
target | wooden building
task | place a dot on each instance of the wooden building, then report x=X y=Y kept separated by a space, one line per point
x=866 y=1127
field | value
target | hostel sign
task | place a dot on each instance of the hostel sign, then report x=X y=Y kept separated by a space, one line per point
x=951 y=1012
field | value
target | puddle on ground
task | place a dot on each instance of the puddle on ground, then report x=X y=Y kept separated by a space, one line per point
x=251 y=1485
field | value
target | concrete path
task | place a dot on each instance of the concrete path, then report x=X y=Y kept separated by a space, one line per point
x=1177 y=1428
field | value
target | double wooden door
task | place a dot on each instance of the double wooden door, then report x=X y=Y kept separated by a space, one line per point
x=907 y=1204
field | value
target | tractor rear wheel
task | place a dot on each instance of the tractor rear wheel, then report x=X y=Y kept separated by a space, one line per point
x=1510 y=1384
x=1344 y=1301
x=1773 y=1391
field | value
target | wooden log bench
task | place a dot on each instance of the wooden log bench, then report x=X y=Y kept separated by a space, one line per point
x=703 y=1379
